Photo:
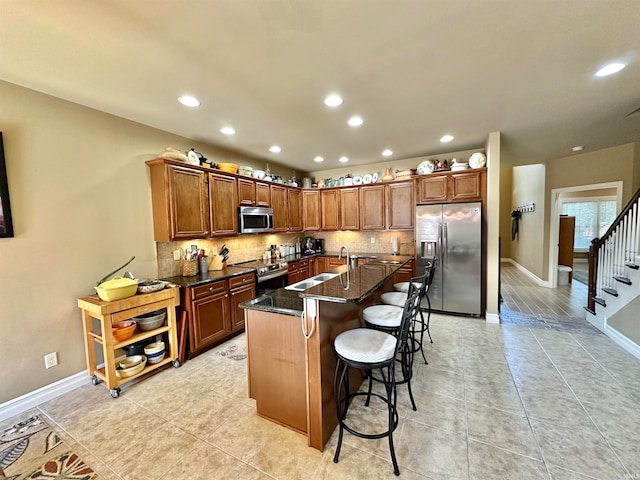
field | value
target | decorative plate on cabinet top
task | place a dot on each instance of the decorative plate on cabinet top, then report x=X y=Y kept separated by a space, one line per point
x=367 y=178
x=357 y=180
x=374 y=177
x=193 y=158
x=425 y=167
x=477 y=160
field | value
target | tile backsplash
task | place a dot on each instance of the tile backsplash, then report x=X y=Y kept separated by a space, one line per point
x=251 y=247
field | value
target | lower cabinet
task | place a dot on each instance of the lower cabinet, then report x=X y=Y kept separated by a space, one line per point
x=404 y=273
x=298 y=271
x=214 y=312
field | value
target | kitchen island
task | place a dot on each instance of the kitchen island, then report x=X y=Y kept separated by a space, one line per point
x=291 y=361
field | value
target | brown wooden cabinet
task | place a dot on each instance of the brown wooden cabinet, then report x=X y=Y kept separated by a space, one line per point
x=321 y=265
x=223 y=213
x=333 y=262
x=400 y=205
x=311 y=210
x=349 y=209
x=180 y=202
x=280 y=208
x=329 y=210
x=246 y=192
x=461 y=186
x=298 y=270
x=241 y=289
x=294 y=196
x=372 y=207
x=209 y=319
x=263 y=195
x=405 y=273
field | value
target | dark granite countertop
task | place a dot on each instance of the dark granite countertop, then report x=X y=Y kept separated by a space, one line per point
x=302 y=256
x=362 y=281
x=208 y=277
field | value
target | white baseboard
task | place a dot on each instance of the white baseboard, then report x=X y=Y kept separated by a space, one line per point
x=491 y=317
x=535 y=278
x=41 y=395
x=630 y=346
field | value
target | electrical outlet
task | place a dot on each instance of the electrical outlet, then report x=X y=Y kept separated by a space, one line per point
x=373 y=239
x=51 y=360
x=176 y=254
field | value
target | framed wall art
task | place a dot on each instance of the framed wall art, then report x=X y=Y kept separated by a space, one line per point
x=6 y=223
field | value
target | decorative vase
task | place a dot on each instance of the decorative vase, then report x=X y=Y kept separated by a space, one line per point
x=388 y=176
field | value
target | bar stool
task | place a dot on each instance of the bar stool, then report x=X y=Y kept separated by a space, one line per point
x=388 y=318
x=397 y=298
x=369 y=349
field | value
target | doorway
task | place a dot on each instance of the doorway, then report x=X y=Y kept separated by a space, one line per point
x=558 y=196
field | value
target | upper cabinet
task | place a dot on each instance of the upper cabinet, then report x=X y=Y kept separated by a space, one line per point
x=349 y=209
x=311 y=210
x=400 y=205
x=180 y=202
x=294 y=197
x=223 y=213
x=372 y=207
x=330 y=209
x=280 y=208
x=461 y=186
x=263 y=195
x=246 y=192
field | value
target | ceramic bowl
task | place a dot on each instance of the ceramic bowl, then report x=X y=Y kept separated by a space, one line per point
x=130 y=371
x=151 y=320
x=150 y=286
x=123 y=330
x=155 y=347
x=259 y=174
x=228 y=167
x=131 y=361
x=156 y=357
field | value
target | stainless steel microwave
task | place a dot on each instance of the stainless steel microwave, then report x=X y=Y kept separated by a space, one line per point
x=255 y=219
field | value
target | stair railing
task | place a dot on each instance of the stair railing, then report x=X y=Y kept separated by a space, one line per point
x=609 y=254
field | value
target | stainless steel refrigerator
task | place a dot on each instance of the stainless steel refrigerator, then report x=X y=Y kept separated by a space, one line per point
x=452 y=233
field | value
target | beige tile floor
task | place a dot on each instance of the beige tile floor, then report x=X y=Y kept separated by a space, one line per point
x=495 y=402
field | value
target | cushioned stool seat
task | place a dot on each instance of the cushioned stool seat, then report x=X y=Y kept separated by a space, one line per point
x=397 y=299
x=384 y=316
x=364 y=345
x=401 y=287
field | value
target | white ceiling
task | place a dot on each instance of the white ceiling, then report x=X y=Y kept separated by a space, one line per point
x=414 y=70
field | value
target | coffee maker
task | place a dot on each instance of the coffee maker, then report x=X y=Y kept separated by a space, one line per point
x=319 y=245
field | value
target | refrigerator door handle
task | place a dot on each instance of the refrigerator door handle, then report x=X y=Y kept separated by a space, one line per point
x=445 y=246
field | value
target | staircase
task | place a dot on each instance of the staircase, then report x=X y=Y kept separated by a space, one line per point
x=614 y=279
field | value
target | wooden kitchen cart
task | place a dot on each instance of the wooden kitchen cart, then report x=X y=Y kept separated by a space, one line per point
x=108 y=313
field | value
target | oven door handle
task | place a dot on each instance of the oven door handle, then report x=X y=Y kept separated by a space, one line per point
x=277 y=274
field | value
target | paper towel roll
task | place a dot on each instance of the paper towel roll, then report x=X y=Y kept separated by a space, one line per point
x=394 y=244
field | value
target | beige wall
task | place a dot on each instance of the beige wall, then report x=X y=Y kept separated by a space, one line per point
x=506 y=174
x=81 y=207
x=493 y=148
x=528 y=187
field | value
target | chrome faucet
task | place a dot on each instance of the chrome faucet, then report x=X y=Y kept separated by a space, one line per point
x=344 y=247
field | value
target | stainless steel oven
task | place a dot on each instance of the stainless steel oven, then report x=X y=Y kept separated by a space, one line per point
x=272 y=275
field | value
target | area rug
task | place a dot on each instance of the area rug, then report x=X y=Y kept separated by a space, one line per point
x=32 y=450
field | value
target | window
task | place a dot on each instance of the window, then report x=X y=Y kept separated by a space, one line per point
x=593 y=218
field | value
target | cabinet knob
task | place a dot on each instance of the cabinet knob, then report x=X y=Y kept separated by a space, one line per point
x=211 y=289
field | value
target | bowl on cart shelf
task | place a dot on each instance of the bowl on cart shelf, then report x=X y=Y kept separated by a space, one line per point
x=153 y=348
x=156 y=357
x=150 y=286
x=131 y=366
x=123 y=330
x=151 y=320
x=116 y=289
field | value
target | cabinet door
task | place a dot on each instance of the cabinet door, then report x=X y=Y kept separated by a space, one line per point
x=330 y=208
x=404 y=273
x=349 y=209
x=237 y=296
x=372 y=207
x=246 y=192
x=433 y=188
x=263 y=195
x=294 y=197
x=303 y=269
x=311 y=210
x=465 y=186
x=313 y=267
x=333 y=262
x=223 y=210
x=189 y=200
x=400 y=207
x=210 y=320
x=280 y=208
x=321 y=265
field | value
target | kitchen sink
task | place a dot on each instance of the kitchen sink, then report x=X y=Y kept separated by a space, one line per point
x=303 y=285
x=393 y=262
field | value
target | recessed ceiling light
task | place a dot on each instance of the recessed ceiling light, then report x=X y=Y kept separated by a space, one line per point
x=275 y=149
x=387 y=153
x=343 y=159
x=355 y=121
x=578 y=148
x=610 y=69
x=228 y=130
x=333 y=100
x=318 y=159
x=189 y=101
x=446 y=138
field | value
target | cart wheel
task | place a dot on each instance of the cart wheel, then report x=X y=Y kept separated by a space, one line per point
x=176 y=363
x=115 y=392
x=95 y=380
